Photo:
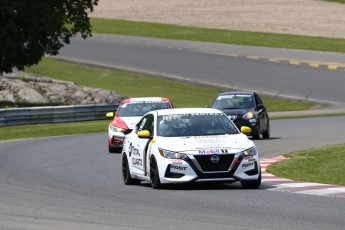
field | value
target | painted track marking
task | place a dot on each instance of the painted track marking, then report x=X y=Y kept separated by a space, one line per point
x=287 y=185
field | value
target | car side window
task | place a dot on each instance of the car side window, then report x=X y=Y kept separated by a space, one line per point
x=149 y=123
x=146 y=123
x=141 y=124
x=257 y=100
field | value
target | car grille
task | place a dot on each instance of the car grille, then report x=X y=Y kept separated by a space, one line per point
x=207 y=165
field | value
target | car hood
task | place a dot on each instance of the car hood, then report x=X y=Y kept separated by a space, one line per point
x=216 y=144
x=131 y=121
x=237 y=112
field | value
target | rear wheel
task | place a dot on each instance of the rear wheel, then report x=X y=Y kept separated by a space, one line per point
x=114 y=149
x=126 y=175
x=250 y=184
x=154 y=174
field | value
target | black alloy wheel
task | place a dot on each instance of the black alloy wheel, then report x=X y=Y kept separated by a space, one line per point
x=154 y=174
x=126 y=175
x=267 y=133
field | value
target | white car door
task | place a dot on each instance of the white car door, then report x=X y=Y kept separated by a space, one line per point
x=137 y=150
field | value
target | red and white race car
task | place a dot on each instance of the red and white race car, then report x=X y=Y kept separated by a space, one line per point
x=127 y=116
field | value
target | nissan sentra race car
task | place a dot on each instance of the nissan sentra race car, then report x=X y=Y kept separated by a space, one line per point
x=127 y=116
x=189 y=145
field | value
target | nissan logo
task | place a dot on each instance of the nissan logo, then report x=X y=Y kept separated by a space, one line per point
x=215 y=159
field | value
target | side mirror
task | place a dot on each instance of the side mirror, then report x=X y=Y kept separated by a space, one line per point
x=246 y=130
x=110 y=115
x=260 y=106
x=144 y=134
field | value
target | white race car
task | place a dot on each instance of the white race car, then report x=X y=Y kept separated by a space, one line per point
x=189 y=145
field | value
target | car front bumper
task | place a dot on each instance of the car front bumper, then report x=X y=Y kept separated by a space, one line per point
x=199 y=168
x=115 y=139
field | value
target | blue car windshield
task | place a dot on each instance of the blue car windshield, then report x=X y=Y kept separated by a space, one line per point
x=194 y=125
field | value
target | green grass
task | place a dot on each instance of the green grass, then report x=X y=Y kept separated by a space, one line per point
x=58 y=129
x=339 y=1
x=182 y=94
x=320 y=165
x=157 y=30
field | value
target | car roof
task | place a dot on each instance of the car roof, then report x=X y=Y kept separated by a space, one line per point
x=145 y=99
x=187 y=111
x=235 y=92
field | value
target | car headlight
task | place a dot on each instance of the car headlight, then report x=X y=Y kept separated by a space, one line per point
x=172 y=155
x=249 y=115
x=250 y=152
x=116 y=129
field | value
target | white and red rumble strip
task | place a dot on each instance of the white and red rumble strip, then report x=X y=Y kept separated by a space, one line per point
x=287 y=185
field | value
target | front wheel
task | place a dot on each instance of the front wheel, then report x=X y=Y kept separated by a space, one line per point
x=126 y=175
x=251 y=184
x=256 y=133
x=154 y=174
x=267 y=134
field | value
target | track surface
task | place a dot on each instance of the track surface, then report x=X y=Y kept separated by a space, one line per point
x=71 y=182
x=208 y=63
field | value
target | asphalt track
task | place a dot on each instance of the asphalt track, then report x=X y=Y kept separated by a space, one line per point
x=71 y=182
x=265 y=70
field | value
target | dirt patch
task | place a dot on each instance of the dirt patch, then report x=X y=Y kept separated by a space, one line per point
x=300 y=17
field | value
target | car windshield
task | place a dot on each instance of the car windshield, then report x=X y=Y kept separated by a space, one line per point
x=234 y=101
x=205 y=124
x=140 y=108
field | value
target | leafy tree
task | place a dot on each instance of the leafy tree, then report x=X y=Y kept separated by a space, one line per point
x=31 y=28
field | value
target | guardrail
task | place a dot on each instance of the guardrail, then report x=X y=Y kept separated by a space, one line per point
x=54 y=114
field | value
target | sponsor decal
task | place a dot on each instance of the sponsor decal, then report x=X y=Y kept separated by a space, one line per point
x=178 y=168
x=137 y=161
x=133 y=151
x=208 y=137
x=176 y=162
x=248 y=166
x=187 y=116
x=212 y=151
x=250 y=158
x=147 y=99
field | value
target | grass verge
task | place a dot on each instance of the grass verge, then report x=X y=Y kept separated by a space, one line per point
x=339 y=1
x=320 y=165
x=157 y=30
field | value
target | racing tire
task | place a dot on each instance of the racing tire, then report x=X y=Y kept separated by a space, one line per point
x=114 y=149
x=266 y=134
x=154 y=175
x=256 y=133
x=126 y=175
x=251 y=184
